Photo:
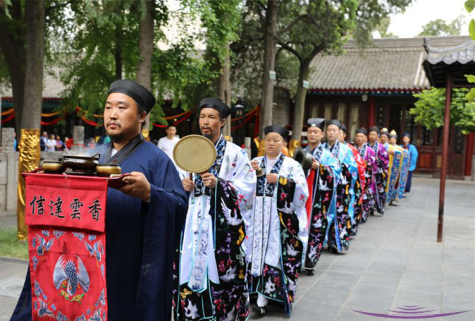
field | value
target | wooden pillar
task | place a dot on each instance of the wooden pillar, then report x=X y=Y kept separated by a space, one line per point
x=469 y=155
x=445 y=150
x=372 y=111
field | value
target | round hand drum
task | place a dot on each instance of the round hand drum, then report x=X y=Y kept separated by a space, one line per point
x=194 y=154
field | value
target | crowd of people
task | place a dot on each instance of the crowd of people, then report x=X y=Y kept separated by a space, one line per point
x=207 y=244
x=53 y=143
x=272 y=219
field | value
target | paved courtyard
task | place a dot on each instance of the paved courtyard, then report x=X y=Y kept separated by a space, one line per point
x=394 y=264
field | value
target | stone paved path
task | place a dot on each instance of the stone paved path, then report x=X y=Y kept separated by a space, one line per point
x=393 y=262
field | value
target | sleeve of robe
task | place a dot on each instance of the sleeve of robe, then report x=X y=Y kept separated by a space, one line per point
x=414 y=154
x=296 y=177
x=334 y=165
x=166 y=213
x=360 y=163
x=384 y=156
x=351 y=163
x=353 y=169
x=244 y=182
x=372 y=162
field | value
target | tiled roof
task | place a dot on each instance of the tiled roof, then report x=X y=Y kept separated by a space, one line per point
x=463 y=53
x=458 y=60
x=391 y=64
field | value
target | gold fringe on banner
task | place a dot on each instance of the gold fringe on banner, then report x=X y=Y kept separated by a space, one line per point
x=293 y=145
x=29 y=160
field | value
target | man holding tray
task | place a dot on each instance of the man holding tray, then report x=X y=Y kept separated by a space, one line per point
x=145 y=214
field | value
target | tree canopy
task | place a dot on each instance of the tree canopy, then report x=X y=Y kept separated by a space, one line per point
x=429 y=109
x=440 y=27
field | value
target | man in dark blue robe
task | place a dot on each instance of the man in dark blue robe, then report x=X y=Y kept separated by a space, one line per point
x=144 y=219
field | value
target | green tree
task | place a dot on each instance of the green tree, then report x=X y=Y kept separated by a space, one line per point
x=304 y=29
x=430 y=106
x=107 y=40
x=469 y=5
x=440 y=27
x=100 y=45
x=13 y=44
x=320 y=26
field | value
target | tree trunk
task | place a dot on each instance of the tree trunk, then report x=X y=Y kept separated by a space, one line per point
x=35 y=48
x=12 y=44
x=18 y=85
x=224 y=86
x=144 y=64
x=29 y=155
x=300 y=96
x=269 y=65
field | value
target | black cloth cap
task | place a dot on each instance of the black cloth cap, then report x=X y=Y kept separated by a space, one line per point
x=216 y=104
x=374 y=129
x=277 y=129
x=393 y=136
x=316 y=122
x=406 y=134
x=361 y=131
x=384 y=132
x=343 y=128
x=334 y=122
x=142 y=96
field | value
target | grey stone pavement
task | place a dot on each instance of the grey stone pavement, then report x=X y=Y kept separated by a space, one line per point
x=393 y=262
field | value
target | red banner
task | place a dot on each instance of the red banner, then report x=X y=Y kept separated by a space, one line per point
x=66 y=243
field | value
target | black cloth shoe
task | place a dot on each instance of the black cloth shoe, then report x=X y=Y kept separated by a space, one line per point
x=310 y=272
x=259 y=311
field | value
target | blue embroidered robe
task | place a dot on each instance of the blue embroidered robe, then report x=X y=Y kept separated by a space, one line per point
x=323 y=191
x=339 y=225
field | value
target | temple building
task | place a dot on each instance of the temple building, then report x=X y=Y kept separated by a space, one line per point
x=375 y=86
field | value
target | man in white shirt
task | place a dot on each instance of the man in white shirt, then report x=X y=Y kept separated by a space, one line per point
x=167 y=144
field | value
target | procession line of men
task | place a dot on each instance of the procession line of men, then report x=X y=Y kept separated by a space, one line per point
x=243 y=228
x=252 y=227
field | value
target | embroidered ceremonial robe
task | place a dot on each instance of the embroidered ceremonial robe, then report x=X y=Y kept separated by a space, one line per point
x=140 y=241
x=404 y=173
x=359 y=187
x=380 y=177
x=368 y=155
x=212 y=279
x=322 y=195
x=339 y=224
x=395 y=164
x=280 y=232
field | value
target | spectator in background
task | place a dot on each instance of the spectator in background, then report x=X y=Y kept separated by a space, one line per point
x=51 y=144
x=167 y=144
x=66 y=139
x=413 y=154
x=69 y=142
x=59 y=143
x=91 y=143
x=43 y=141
